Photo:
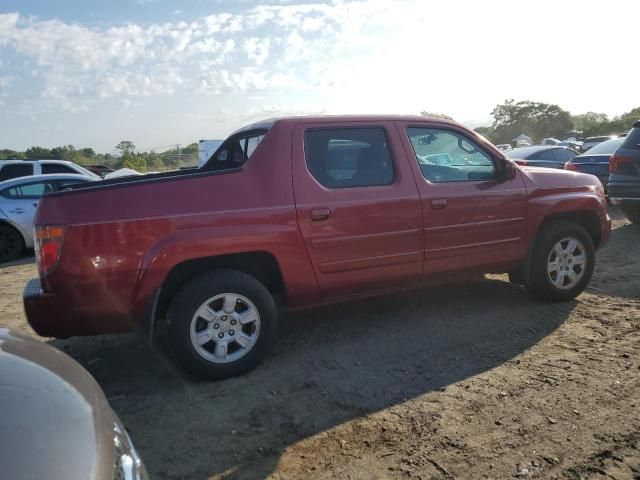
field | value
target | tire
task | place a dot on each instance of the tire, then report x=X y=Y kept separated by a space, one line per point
x=204 y=310
x=11 y=243
x=552 y=260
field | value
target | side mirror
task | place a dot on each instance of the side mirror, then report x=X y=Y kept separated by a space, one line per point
x=510 y=170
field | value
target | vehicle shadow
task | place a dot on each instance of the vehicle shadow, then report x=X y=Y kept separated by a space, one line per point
x=26 y=259
x=616 y=272
x=330 y=366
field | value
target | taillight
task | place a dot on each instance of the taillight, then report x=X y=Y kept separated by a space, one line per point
x=48 y=245
x=616 y=160
x=570 y=166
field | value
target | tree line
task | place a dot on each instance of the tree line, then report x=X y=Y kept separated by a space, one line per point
x=128 y=156
x=510 y=119
x=543 y=120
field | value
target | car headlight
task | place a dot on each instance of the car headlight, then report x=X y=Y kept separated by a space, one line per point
x=128 y=465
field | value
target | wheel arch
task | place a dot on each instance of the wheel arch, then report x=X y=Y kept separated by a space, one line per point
x=262 y=265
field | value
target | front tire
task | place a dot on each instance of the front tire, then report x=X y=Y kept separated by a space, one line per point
x=221 y=324
x=562 y=262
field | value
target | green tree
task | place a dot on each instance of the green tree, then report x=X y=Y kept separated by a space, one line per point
x=34 y=153
x=126 y=147
x=135 y=162
x=486 y=132
x=537 y=120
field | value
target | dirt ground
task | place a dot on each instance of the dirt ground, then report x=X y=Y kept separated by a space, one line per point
x=469 y=381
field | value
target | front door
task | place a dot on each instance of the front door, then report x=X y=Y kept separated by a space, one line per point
x=21 y=201
x=473 y=219
x=358 y=207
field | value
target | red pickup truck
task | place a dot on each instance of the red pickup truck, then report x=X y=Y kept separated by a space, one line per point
x=298 y=212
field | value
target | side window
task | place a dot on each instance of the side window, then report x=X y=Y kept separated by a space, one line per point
x=56 y=168
x=447 y=156
x=15 y=170
x=233 y=153
x=349 y=157
x=30 y=190
x=564 y=154
x=546 y=154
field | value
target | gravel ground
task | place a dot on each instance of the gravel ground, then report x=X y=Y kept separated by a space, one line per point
x=468 y=381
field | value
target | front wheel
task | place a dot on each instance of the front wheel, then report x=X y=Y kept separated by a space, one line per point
x=562 y=262
x=222 y=324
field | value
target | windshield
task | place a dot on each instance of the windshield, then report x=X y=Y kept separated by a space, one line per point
x=607 y=147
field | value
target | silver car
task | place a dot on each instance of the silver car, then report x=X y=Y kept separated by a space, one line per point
x=56 y=421
x=19 y=199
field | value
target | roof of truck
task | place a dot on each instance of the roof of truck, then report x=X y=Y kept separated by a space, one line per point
x=268 y=123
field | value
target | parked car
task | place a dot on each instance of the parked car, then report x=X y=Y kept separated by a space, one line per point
x=100 y=170
x=624 y=176
x=596 y=160
x=554 y=142
x=505 y=147
x=18 y=203
x=298 y=212
x=22 y=168
x=56 y=421
x=542 y=156
x=591 y=142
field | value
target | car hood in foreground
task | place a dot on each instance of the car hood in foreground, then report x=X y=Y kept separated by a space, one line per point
x=56 y=421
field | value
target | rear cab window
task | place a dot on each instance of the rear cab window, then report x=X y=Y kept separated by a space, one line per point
x=235 y=151
x=448 y=156
x=349 y=157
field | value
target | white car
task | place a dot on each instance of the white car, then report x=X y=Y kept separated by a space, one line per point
x=23 y=168
x=19 y=199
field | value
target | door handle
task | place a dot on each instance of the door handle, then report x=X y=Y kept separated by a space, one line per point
x=438 y=203
x=320 y=214
x=17 y=210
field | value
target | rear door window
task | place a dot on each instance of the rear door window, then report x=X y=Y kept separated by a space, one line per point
x=29 y=190
x=234 y=152
x=15 y=170
x=349 y=157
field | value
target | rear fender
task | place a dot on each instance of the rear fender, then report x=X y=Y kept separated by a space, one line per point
x=281 y=241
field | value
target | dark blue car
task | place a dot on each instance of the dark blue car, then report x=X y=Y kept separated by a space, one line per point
x=624 y=178
x=596 y=160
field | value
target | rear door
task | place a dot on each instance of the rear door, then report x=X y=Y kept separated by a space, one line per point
x=358 y=207
x=473 y=220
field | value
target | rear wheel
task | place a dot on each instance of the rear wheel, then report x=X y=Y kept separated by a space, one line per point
x=222 y=324
x=562 y=262
x=11 y=243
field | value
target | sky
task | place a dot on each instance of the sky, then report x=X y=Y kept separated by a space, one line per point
x=163 y=72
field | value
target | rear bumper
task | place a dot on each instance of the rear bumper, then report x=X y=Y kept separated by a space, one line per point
x=52 y=315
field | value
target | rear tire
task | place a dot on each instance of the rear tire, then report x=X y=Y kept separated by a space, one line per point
x=11 y=243
x=562 y=262
x=221 y=324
